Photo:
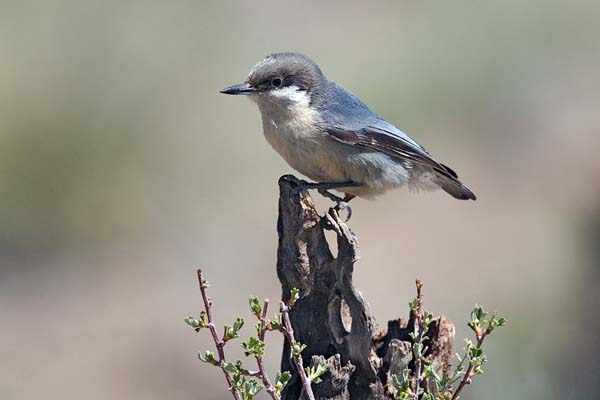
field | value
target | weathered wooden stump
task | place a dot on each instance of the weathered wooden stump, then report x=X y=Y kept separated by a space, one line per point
x=332 y=318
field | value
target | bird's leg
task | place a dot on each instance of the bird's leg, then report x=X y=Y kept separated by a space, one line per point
x=304 y=185
x=330 y=196
x=322 y=188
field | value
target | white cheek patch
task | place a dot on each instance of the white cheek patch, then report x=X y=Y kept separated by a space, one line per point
x=292 y=94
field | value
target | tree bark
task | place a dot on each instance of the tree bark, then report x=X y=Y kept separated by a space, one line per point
x=332 y=318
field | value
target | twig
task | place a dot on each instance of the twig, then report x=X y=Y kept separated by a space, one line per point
x=466 y=380
x=288 y=331
x=219 y=344
x=418 y=339
x=259 y=360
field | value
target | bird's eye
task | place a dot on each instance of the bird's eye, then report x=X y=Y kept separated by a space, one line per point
x=276 y=82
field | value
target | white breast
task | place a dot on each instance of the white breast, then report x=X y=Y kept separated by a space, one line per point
x=289 y=125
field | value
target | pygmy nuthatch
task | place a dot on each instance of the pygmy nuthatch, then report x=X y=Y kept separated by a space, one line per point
x=330 y=136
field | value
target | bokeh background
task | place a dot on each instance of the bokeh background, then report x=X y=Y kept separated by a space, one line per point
x=122 y=169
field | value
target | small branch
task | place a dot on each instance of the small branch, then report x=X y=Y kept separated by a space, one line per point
x=288 y=331
x=219 y=344
x=418 y=339
x=259 y=360
x=466 y=379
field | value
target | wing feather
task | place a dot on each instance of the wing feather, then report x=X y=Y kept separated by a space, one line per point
x=376 y=138
x=350 y=121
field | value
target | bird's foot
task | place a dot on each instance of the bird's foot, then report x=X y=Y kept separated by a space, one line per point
x=344 y=205
x=331 y=219
x=341 y=203
x=323 y=187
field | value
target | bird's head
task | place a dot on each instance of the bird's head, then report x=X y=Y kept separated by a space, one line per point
x=281 y=79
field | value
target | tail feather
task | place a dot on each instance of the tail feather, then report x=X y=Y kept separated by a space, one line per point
x=458 y=190
x=451 y=185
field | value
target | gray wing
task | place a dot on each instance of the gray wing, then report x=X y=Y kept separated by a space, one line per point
x=355 y=124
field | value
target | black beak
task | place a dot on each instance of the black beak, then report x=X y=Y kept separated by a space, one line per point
x=242 y=88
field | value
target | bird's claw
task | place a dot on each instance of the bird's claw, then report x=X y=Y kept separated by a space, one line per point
x=332 y=220
x=344 y=205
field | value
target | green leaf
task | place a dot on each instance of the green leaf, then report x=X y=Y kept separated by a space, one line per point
x=208 y=357
x=275 y=324
x=414 y=306
x=193 y=322
x=238 y=381
x=258 y=327
x=427 y=319
x=294 y=296
x=314 y=374
x=229 y=367
x=418 y=350
x=203 y=319
x=282 y=380
x=255 y=306
x=297 y=348
x=254 y=347
x=228 y=333
x=475 y=352
x=232 y=332
x=404 y=382
x=251 y=389
x=478 y=313
x=431 y=372
x=238 y=324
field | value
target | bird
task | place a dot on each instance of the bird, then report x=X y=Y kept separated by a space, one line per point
x=330 y=136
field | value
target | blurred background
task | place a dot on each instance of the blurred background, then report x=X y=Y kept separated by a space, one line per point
x=122 y=169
